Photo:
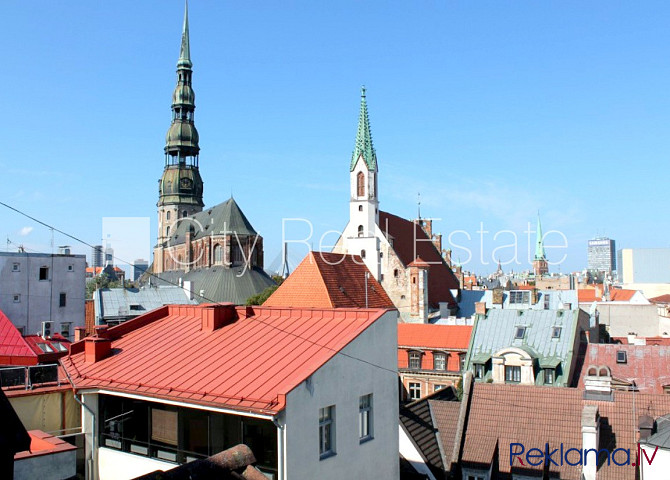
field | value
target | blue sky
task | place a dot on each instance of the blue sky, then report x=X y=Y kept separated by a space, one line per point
x=493 y=110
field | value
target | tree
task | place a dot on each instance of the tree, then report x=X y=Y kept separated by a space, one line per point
x=101 y=281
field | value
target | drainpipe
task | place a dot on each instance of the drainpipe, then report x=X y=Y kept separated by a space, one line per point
x=281 y=448
x=89 y=460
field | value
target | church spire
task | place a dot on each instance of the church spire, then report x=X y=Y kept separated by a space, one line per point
x=185 y=52
x=539 y=244
x=364 y=138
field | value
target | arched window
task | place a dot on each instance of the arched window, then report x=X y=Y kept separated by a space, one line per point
x=167 y=231
x=184 y=213
x=167 y=215
x=360 y=184
x=362 y=253
x=360 y=208
x=360 y=230
x=218 y=254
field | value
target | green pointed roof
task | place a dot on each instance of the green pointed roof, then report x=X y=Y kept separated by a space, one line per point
x=539 y=246
x=185 y=52
x=364 y=138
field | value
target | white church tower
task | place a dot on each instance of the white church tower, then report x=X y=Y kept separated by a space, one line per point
x=362 y=235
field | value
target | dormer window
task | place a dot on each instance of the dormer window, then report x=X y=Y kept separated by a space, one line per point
x=556 y=332
x=519 y=297
x=549 y=376
x=415 y=360
x=439 y=361
x=519 y=333
x=621 y=357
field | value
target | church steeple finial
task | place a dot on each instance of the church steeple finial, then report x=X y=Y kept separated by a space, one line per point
x=364 y=138
x=539 y=243
x=185 y=52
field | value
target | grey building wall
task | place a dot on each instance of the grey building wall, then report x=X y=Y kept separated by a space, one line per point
x=624 y=319
x=649 y=265
x=28 y=301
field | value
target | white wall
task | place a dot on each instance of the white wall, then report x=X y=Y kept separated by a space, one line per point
x=658 y=470
x=340 y=382
x=39 y=299
x=115 y=465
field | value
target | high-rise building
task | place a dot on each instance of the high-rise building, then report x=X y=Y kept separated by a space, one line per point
x=139 y=267
x=601 y=255
x=96 y=256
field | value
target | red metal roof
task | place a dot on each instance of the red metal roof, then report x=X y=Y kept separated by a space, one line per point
x=249 y=364
x=14 y=350
x=616 y=295
x=646 y=365
x=330 y=280
x=52 y=353
x=410 y=241
x=434 y=336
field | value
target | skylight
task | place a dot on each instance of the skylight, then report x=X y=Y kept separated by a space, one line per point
x=556 y=332
x=45 y=347
x=519 y=333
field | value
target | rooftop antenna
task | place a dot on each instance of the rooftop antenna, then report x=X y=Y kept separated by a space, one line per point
x=418 y=202
x=367 y=274
x=285 y=271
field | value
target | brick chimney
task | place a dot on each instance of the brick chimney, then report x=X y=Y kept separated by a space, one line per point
x=215 y=316
x=590 y=440
x=480 y=308
x=96 y=348
x=79 y=333
x=645 y=426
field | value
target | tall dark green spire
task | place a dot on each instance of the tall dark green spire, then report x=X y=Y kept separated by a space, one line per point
x=185 y=52
x=364 y=138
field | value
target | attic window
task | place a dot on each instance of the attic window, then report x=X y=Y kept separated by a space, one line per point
x=621 y=357
x=556 y=332
x=519 y=333
x=45 y=347
x=135 y=307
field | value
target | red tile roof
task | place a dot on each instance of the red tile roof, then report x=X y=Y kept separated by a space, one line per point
x=501 y=414
x=661 y=299
x=248 y=364
x=646 y=365
x=616 y=295
x=329 y=280
x=14 y=350
x=410 y=241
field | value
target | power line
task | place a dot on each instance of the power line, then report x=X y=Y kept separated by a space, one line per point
x=76 y=239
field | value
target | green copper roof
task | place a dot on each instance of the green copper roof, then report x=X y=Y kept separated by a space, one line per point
x=364 y=138
x=185 y=52
x=539 y=246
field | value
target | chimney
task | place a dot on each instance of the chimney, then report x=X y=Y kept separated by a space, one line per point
x=101 y=331
x=480 y=308
x=535 y=296
x=598 y=383
x=96 y=348
x=79 y=333
x=497 y=296
x=646 y=427
x=215 y=316
x=590 y=438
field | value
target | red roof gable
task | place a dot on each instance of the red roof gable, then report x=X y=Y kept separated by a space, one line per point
x=14 y=350
x=248 y=364
x=330 y=280
x=646 y=365
x=434 y=336
x=402 y=234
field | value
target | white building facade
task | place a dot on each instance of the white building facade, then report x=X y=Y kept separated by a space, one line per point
x=37 y=287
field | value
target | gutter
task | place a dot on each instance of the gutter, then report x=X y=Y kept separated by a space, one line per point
x=89 y=461
x=281 y=446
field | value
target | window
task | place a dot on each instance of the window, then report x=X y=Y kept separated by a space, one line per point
x=70 y=268
x=479 y=370
x=519 y=333
x=519 y=297
x=621 y=357
x=62 y=300
x=65 y=329
x=549 y=376
x=327 y=431
x=360 y=208
x=439 y=387
x=414 y=391
x=167 y=231
x=218 y=254
x=16 y=267
x=184 y=213
x=666 y=389
x=17 y=298
x=59 y=346
x=556 y=332
x=167 y=215
x=360 y=231
x=475 y=477
x=547 y=301
x=44 y=273
x=362 y=253
x=415 y=360
x=360 y=184
x=461 y=362
x=45 y=347
x=512 y=374
x=395 y=272
x=365 y=417
x=439 y=361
